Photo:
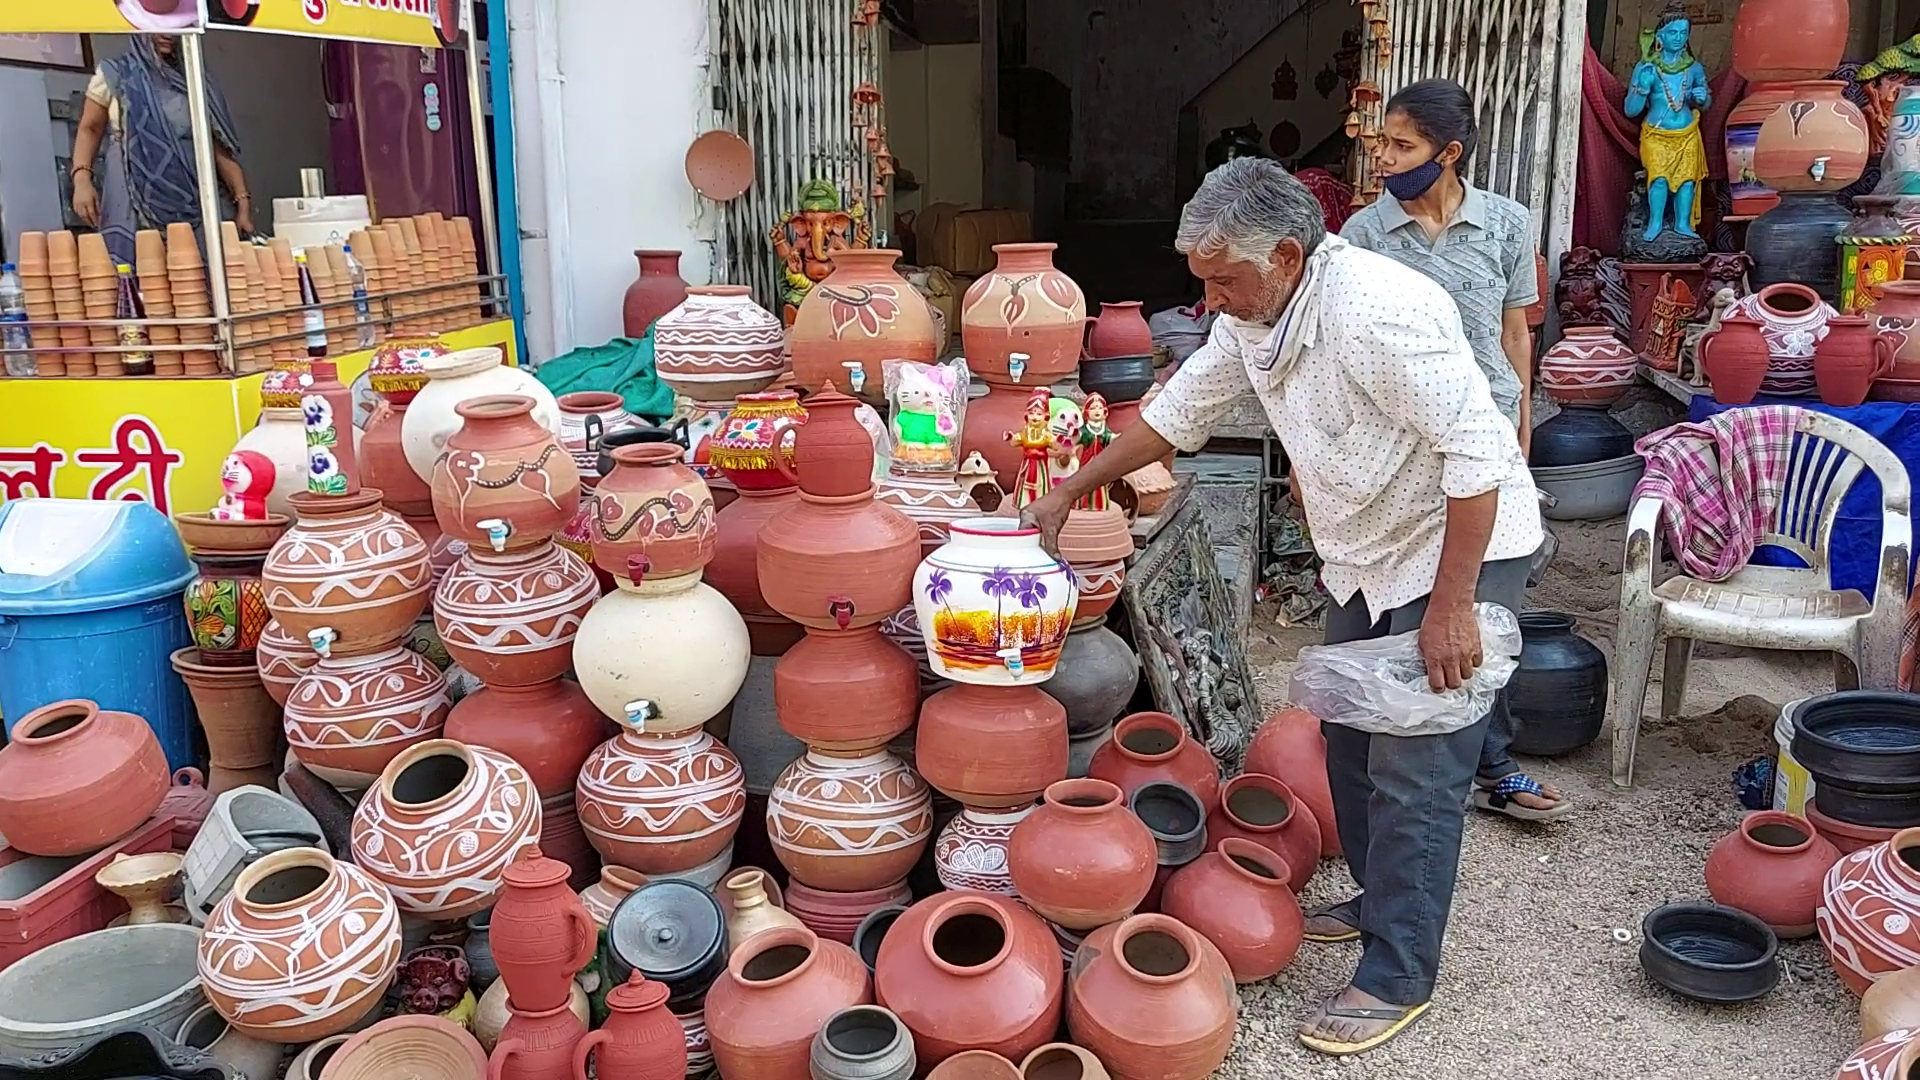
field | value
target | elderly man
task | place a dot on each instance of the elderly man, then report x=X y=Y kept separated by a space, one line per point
x=1418 y=502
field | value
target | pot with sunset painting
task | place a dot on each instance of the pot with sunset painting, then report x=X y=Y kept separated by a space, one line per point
x=994 y=606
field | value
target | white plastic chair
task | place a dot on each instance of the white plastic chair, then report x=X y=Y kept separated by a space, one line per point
x=1769 y=607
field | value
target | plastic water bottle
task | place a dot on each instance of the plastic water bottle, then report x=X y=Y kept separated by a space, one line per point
x=362 y=311
x=13 y=323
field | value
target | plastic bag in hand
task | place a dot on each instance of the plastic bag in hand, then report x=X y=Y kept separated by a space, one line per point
x=1380 y=685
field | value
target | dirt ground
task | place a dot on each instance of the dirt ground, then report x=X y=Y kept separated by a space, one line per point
x=1534 y=983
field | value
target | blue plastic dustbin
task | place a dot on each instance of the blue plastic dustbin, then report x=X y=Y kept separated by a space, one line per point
x=90 y=608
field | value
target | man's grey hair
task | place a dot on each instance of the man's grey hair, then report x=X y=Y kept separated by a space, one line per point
x=1245 y=208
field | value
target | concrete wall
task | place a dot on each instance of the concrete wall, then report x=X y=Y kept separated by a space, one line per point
x=933 y=122
x=1245 y=91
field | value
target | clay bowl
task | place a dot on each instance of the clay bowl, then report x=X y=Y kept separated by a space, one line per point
x=975 y=1065
x=1865 y=740
x=416 y=1047
x=720 y=165
x=1709 y=953
x=1119 y=379
x=202 y=532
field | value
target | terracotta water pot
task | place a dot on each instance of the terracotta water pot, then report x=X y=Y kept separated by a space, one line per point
x=752 y=435
x=994 y=606
x=832 y=454
x=991 y=747
x=1004 y=409
x=1097 y=676
x=816 y=678
x=638 y=640
x=652 y=506
x=536 y=1045
x=71 y=755
x=504 y=482
x=971 y=851
x=226 y=605
x=1849 y=360
x=552 y=750
x=1781 y=40
x=1153 y=746
x=383 y=462
x=1119 y=330
x=462 y=376
x=718 y=344
x=1898 y=315
x=968 y=971
x=540 y=932
x=348 y=717
x=1152 y=999
x=586 y=418
x=1290 y=747
x=1236 y=896
x=1263 y=809
x=849 y=823
x=658 y=290
x=735 y=568
x=862 y=313
x=510 y=619
x=1890 y=1005
x=422 y=1047
x=303 y=947
x=239 y=717
x=1816 y=141
x=1589 y=366
x=1869 y=917
x=1096 y=544
x=1081 y=859
x=837 y=916
x=776 y=994
x=1735 y=357
x=1024 y=307
x=1889 y=1057
x=641 y=1039
x=1772 y=867
x=1062 y=1061
x=750 y=910
x=1750 y=196
x=282 y=659
x=661 y=804
x=350 y=577
x=975 y=1065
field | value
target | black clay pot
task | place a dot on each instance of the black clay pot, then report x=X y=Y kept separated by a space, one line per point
x=1176 y=819
x=873 y=930
x=1580 y=435
x=1794 y=242
x=139 y=1053
x=1869 y=809
x=633 y=436
x=1860 y=740
x=1095 y=677
x=672 y=932
x=1709 y=953
x=1117 y=378
x=1558 y=696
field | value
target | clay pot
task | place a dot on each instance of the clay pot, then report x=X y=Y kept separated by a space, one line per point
x=971 y=851
x=553 y=750
x=492 y=1011
x=503 y=482
x=862 y=313
x=718 y=344
x=1735 y=357
x=241 y=722
x=1889 y=1057
x=282 y=659
x=1119 y=330
x=347 y=718
x=1869 y=917
x=778 y=991
x=652 y=506
x=541 y=933
x=1152 y=999
x=1589 y=366
x=750 y=910
x=302 y=948
x=658 y=290
x=1153 y=746
x=1890 y=1005
x=832 y=454
x=1004 y=409
x=660 y=804
x=1852 y=356
x=932 y=501
x=971 y=971
x=752 y=435
x=1081 y=859
x=1025 y=307
x=510 y=619
x=1096 y=677
x=536 y=1045
x=975 y=1065
x=423 y=1047
x=333 y=461
x=864 y=1042
x=383 y=463
x=397 y=371
x=586 y=418
x=1261 y=808
x=1096 y=544
x=994 y=606
x=991 y=747
x=1750 y=196
x=838 y=915
x=1236 y=896
x=1777 y=40
x=1794 y=244
x=639 y=638
x=1290 y=747
x=605 y=894
x=350 y=577
x=1817 y=125
x=847 y=824
x=461 y=376
x=816 y=678
x=226 y=607
x=402 y=837
x=735 y=569
x=1062 y=1061
x=73 y=754
x=1772 y=867
x=641 y=1039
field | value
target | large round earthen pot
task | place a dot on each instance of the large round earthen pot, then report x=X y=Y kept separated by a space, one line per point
x=1589 y=366
x=348 y=717
x=1750 y=196
x=1816 y=141
x=778 y=990
x=541 y=933
x=1152 y=746
x=718 y=344
x=971 y=850
x=1024 y=307
x=1290 y=746
x=226 y=605
x=933 y=501
x=660 y=804
x=350 y=577
x=849 y=823
x=971 y=971
x=510 y=619
x=1261 y=808
x=460 y=376
x=1096 y=677
x=1119 y=330
x=1783 y=40
x=282 y=659
x=75 y=778
x=652 y=505
x=303 y=947
x=991 y=747
x=1789 y=247
x=994 y=606
x=862 y=313
x=503 y=481
x=1869 y=914
x=815 y=680
x=1735 y=357
x=641 y=1040
x=735 y=567
x=1081 y=859
x=442 y=826
x=1236 y=896
x=1851 y=358
x=636 y=644
x=752 y=435
x=552 y=750
x=1772 y=867
x=658 y=289
x=1152 y=999
x=396 y=375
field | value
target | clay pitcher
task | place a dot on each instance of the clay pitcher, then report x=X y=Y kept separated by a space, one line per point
x=1119 y=330
x=542 y=934
x=1735 y=358
x=537 y=1045
x=1851 y=357
x=641 y=1039
x=1896 y=313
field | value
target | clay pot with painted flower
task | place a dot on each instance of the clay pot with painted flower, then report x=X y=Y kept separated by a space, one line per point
x=510 y=619
x=503 y=483
x=1024 y=308
x=654 y=506
x=863 y=313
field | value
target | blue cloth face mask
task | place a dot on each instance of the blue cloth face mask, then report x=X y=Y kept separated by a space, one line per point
x=1413 y=183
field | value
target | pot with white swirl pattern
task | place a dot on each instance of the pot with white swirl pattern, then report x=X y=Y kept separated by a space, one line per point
x=350 y=577
x=848 y=824
x=348 y=717
x=1869 y=914
x=971 y=852
x=511 y=618
x=660 y=803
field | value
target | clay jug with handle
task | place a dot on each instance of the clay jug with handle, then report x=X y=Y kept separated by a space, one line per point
x=1853 y=355
x=641 y=1040
x=541 y=933
x=1735 y=358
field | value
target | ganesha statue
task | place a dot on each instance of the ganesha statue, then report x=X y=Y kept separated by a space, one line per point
x=806 y=239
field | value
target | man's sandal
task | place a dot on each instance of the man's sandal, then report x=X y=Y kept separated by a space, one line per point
x=1497 y=796
x=1402 y=1018
x=1343 y=913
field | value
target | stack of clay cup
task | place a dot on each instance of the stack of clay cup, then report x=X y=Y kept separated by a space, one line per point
x=156 y=289
x=99 y=288
x=187 y=287
x=460 y=235
x=241 y=301
x=69 y=304
x=36 y=282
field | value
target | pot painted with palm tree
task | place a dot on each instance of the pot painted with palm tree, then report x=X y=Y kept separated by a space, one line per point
x=993 y=606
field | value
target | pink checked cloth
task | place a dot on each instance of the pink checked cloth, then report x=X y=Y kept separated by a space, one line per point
x=1718 y=484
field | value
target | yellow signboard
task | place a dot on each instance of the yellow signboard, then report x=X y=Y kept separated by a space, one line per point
x=101 y=16
x=427 y=23
x=153 y=440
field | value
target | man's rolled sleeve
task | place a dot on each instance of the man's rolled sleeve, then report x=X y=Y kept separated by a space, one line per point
x=1199 y=395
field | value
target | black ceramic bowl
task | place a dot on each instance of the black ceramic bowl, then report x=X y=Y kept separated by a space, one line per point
x=1117 y=378
x=1176 y=819
x=1709 y=953
x=1864 y=740
x=633 y=436
x=1869 y=809
x=672 y=932
x=1579 y=435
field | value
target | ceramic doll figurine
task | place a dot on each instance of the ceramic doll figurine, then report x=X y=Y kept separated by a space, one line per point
x=247 y=478
x=1064 y=425
x=1667 y=93
x=1095 y=436
x=1034 y=440
x=926 y=414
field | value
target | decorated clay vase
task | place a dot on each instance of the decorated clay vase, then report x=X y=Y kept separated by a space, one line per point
x=750 y=910
x=1772 y=867
x=1264 y=810
x=226 y=604
x=777 y=991
x=1081 y=859
x=541 y=933
x=1290 y=747
x=395 y=374
x=1887 y=1057
x=1735 y=356
x=750 y=437
x=1589 y=366
x=991 y=747
x=510 y=619
x=1096 y=544
x=431 y=418
x=845 y=824
x=1152 y=999
x=636 y=643
x=587 y=417
x=1024 y=308
x=1816 y=141
x=1152 y=746
x=994 y=606
x=718 y=344
x=660 y=804
x=1793 y=318
x=1869 y=915
x=652 y=506
x=503 y=482
x=348 y=717
x=281 y=434
x=1119 y=330
x=815 y=679
x=1236 y=896
x=74 y=778
x=303 y=947
x=862 y=314
x=971 y=851
x=932 y=501
x=641 y=1039
x=282 y=659
x=350 y=578
x=1851 y=357
x=657 y=290
x=1781 y=40
x=569 y=728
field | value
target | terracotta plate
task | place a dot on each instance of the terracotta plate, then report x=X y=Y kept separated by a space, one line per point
x=720 y=165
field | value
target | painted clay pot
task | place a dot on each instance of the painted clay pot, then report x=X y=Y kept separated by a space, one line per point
x=1096 y=677
x=837 y=916
x=991 y=747
x=461 y=376
x=1897 y=315
x=862 y=313
x=536 y=1045
x=636 y=641
x=1096 y=544
x=750 y=911
x=1750 y=196
x=540 y=932
x=241 y=722
x=442 y=826
x=71 y=755
x=1793 y=318
x=383 y=463
x=1119 y=330
x=1261 y=808
x=816 y=678
x=587 y=417
x=1778 y=40
x=1589 y=366
x=1152 y=746
x=846 y=824
x=1735 y=357
x=1236 y=896
x=971 y=971
x=994 y=606
x=552 y=750
x=398 y=370
x=1853 y=355
x=1152 y=999
x=750 y=437
x=641 y=1039
x=281 y=434
x=932 y=501
x=1024 y=307
x=1290 y=747
x=282 y=659
x=718 y=344
x=349 y=717
x=1772 y=867
x=302 y=948
x=864 y=1042
x=503 y=480
x=1889 y=1057
x=333 y=459
x=1816 y=141
x=658 y=290
x=1081 y=859
x=226 y=606
x=778 y=991
x=971 y=851
x=511 y=619
x=1869 y=916
x=652 y=506
x=660 y=804
x=350 y=577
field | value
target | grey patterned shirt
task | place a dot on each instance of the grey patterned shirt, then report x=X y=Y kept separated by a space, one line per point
x=1484 y=258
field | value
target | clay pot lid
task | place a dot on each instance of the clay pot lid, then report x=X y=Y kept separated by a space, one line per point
x=139 y=871
x=667 y=930
x=495 y=407
x=720 y=165
x=533 y=870
x=204 y=532
x=637 y=994
x=462 y=362
x=419 y=1047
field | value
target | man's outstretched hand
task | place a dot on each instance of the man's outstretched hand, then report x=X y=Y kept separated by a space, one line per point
x=1048 y=514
